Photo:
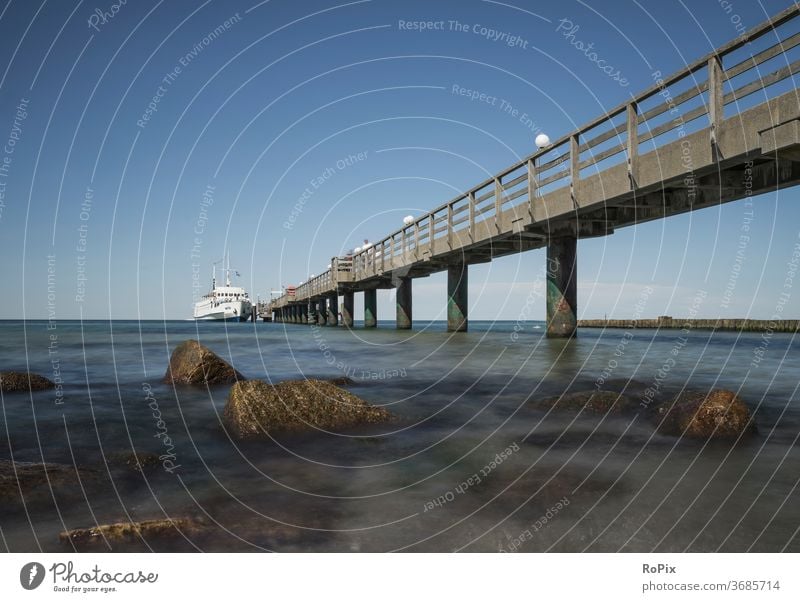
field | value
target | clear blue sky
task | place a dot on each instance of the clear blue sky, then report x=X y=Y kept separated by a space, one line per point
x=283 y=91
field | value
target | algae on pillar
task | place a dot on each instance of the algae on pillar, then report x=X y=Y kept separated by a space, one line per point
x=312 y=312
x=333 y=310
x=562 y=294
x=322 y=312
x=403 y=298
x=348 y=303
x=370 y=308
x=457 y=298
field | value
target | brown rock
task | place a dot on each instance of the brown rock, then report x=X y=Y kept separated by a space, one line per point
x=719 y=414
x=340 y=381
x=195 y=364
x=128 y=536
x=38 y=484
x=137 y=462
x=599 y=402
x=11 y=382
x=256 y=408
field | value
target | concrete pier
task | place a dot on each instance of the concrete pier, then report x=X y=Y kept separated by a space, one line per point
x=303 y=313
x=333 y=310
x=322 y=312
x=312 y=312
x=593 y=181
x=457 y=297
x=734 y=324
x=562 y=290
x=348 y=303
x=370 y=308
x=403 y=303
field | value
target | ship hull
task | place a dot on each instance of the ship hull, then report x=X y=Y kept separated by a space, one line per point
x=235 y=311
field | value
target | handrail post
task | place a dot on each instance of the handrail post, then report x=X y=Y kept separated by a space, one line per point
x=632 y=125
x=431 y=228
x=416 y=240
x=471 y=205
x=533 y=185
x=498 y=202
x=715 y=96
x=574 y=169
x=450 y=225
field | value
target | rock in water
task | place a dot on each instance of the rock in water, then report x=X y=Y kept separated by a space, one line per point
x=195 y=364
x=595 y=402
x=256 y=408
x=132 y=536
x=38 y=485
x=719 y=414
x=11 y=382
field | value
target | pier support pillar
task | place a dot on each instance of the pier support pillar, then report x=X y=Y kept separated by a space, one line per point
x=293 y=314
x=333 y=310
x=403 y=296
x=562 y=294
x=322 y=312
x=303 y=313
x=312 y=312
x=457 y=297
x=370 y=308
x=348 y=302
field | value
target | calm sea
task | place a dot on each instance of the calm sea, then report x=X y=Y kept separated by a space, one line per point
x=469 y=463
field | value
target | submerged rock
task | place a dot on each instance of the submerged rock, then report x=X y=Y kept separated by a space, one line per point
x=256 y=408
x=719 y=414
x=128 y=536
x=192 y=363
x=11 y=382
x=598 y=402
x=40 y=484
x=136 y=462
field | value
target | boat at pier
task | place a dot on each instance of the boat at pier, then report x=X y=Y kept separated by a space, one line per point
x=224 y=302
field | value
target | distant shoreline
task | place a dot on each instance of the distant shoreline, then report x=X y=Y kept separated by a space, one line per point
x=738 y=324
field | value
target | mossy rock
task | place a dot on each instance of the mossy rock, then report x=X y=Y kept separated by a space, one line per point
x=718 y=414
x=12 y=382
x=256 y=409
x=192 y=363
x=135 y=462
x=39 y=484
x=129 y=536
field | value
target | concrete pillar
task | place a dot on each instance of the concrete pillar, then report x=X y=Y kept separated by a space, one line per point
x=293 y=314
x=370 y=308
x=322 y=312
x=457 y=298
x=333 y=310
x=312 y=312
x=403 y=302
x=562 y=294
x=348 y=302
x=303 y=314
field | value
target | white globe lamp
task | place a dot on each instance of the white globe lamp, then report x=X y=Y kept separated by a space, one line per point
x=408 y=220
x=542 y=140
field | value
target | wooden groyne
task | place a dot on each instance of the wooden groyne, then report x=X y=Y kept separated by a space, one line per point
x=740 y=324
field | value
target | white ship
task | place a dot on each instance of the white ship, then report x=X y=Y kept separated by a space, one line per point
x=224 y=302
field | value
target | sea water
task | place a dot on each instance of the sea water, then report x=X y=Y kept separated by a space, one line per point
x=469 y=462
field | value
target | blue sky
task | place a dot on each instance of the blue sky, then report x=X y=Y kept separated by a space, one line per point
x=284 y=91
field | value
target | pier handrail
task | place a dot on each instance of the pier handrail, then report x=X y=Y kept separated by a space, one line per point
x=487 y=200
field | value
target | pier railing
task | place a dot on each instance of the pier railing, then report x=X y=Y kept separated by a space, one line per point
x=615 y=140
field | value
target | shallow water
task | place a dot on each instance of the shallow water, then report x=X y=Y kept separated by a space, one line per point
x=431 y=479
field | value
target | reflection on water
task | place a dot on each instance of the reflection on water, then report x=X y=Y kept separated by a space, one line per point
x=429 y=481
